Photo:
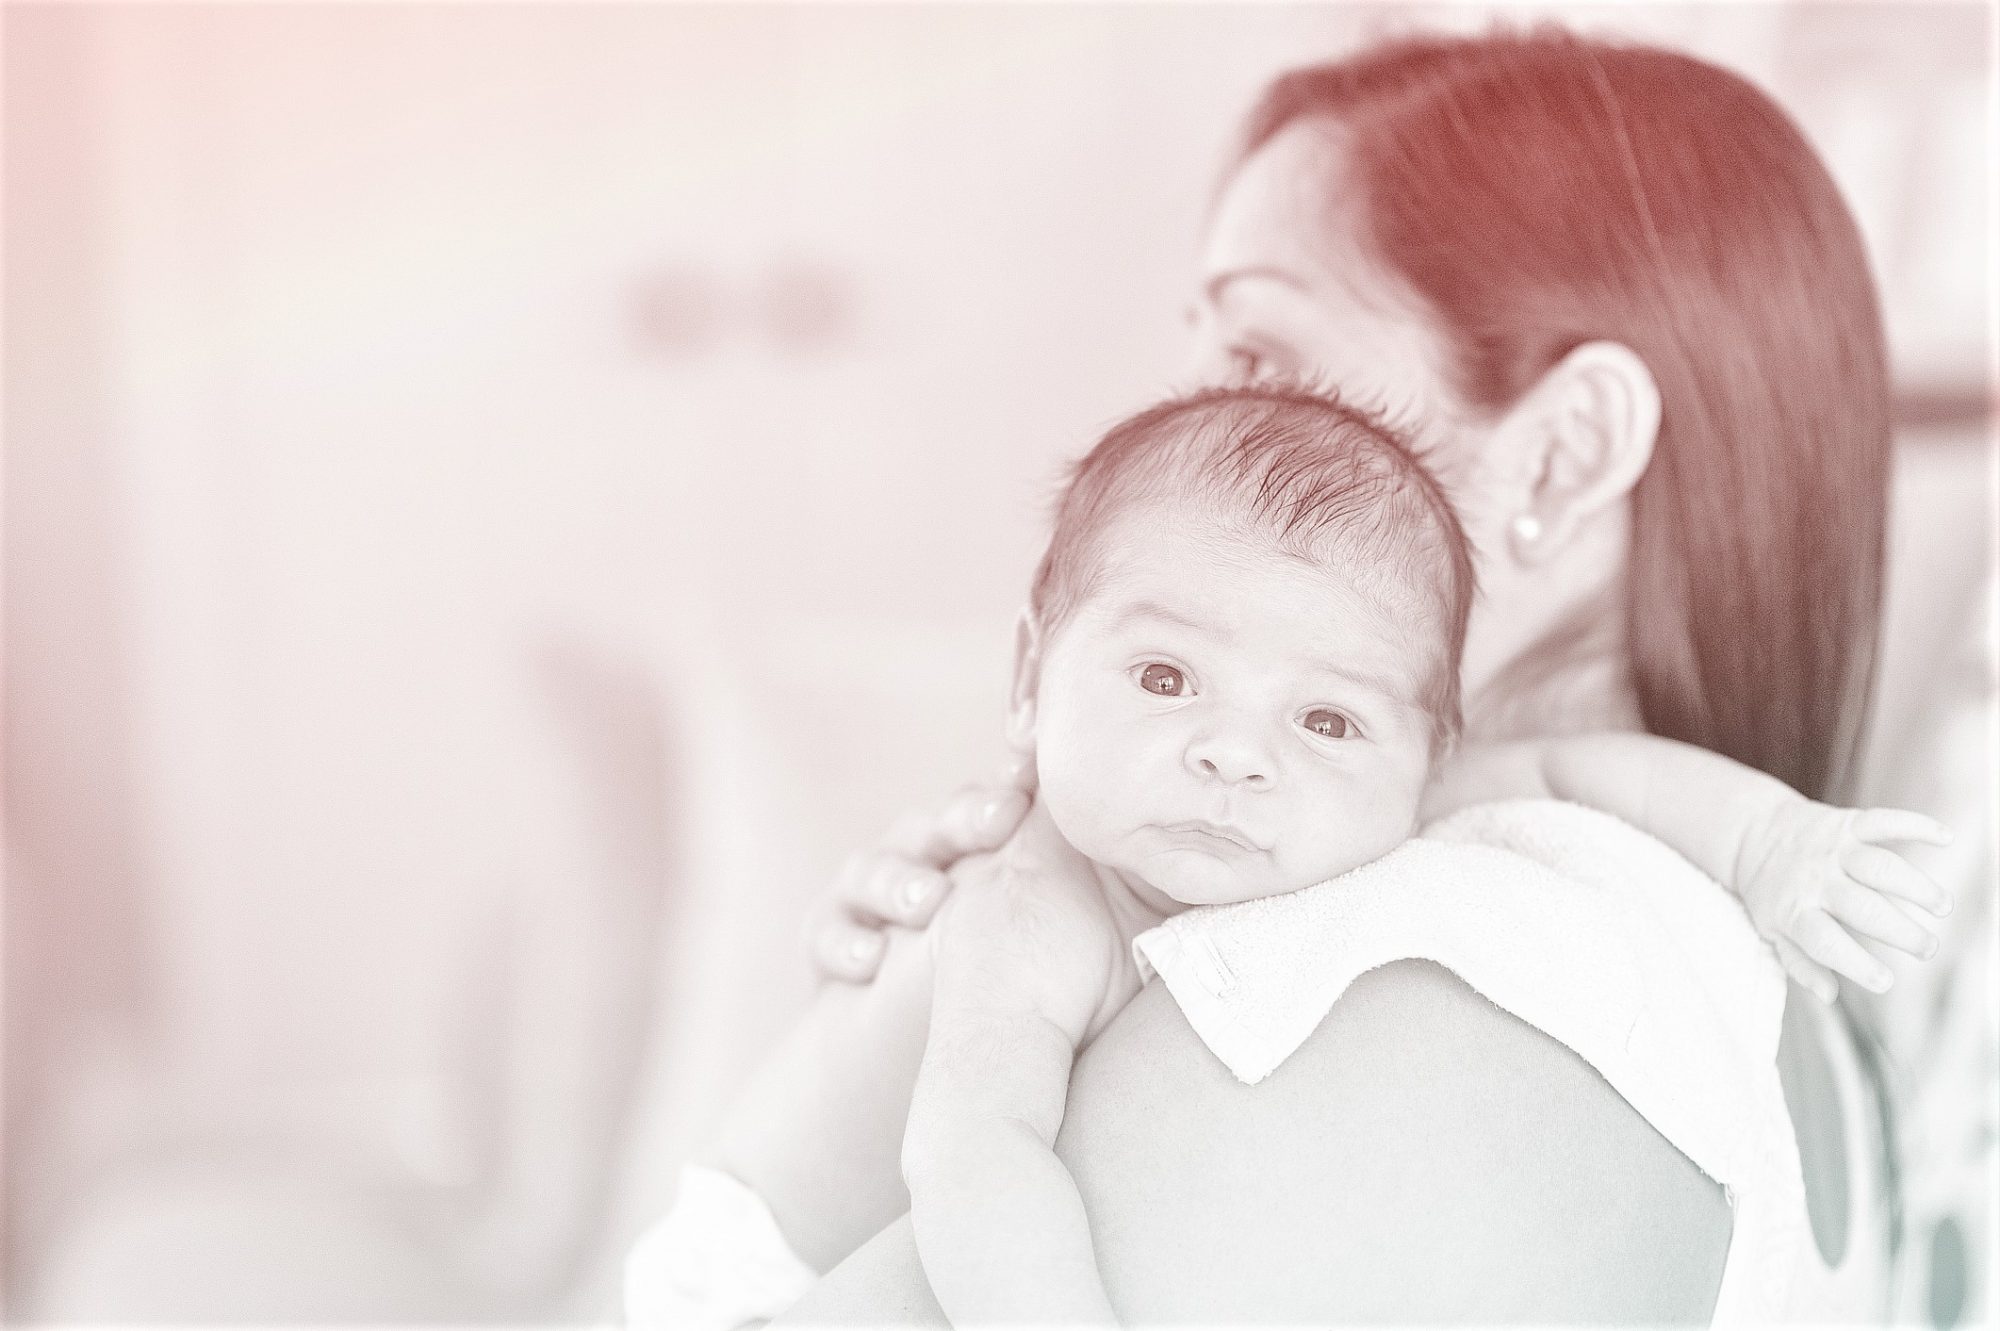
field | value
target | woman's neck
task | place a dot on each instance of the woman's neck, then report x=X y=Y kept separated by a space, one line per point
x=1577 y=678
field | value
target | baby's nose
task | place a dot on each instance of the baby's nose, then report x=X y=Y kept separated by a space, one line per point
x=1233 y=762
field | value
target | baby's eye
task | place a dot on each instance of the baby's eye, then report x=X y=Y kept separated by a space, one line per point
x=1163 y=680
x=1327 y=723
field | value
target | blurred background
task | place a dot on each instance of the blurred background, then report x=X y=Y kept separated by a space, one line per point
x=500 y=499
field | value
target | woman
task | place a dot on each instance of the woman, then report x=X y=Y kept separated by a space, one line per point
x=1619 y=296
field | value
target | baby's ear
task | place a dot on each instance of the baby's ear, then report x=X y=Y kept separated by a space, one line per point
x=1027 y=681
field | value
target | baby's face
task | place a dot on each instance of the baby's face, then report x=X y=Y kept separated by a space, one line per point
x=1221 y=721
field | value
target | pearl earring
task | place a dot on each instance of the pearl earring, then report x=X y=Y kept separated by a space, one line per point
x=1527 y=528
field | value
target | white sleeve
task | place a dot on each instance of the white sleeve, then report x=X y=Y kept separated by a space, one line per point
x=717 y=1261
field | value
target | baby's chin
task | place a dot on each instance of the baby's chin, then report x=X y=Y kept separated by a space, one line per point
x=1203 y=878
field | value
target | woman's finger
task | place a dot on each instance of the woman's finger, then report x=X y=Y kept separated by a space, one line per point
x=976 y=820
x=847 y=951
x=1018 y=773
x=837 y=927
x=1900 y=825
x=881 y=887
x=1886 y=871
x=903 y=883
x=1816 y=979
x=1868 y=912
x=903 y=893
x=1833 y=947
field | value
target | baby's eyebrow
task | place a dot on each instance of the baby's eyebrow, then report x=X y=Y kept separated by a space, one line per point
x=1383 y=683
x=1137 y=610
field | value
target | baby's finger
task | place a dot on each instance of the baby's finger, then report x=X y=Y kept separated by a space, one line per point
x=1900 y=825
x=1866 y=911
x=1830 y=945
x=1886 y=871
x=1815 y=978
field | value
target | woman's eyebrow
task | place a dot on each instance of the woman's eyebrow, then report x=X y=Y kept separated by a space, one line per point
x=1219 y=282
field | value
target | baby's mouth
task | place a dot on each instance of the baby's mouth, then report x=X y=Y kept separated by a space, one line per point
x=1218 y=832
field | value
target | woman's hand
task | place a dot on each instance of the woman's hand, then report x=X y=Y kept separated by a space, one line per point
x=903 y=880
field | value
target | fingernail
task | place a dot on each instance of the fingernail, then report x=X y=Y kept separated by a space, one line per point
x=864 y=947
x=917 y=890
x=989 y=813
x=1930 y=949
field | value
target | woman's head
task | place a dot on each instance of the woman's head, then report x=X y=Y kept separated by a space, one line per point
x=1627 y=303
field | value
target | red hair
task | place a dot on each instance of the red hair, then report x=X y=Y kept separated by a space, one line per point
x=1539 y=191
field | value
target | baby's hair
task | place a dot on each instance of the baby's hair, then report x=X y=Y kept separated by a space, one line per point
x=1316 y=478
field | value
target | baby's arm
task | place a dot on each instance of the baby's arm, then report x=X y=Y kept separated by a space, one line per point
x=1807 y=872
x=999 y=1223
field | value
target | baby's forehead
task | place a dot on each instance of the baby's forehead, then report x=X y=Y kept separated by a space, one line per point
x=1204 y=547
x=1208 y=573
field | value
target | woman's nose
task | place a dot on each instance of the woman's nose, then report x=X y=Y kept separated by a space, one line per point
x=1234 y=760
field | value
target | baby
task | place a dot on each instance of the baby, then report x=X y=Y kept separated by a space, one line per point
x=1238 y=677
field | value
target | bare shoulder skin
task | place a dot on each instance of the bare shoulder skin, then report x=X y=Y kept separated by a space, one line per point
x=1424 y=1157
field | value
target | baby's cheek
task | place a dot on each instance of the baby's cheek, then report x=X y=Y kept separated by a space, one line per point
x=1374 y=812
x=1079 y=790
x=1092 y=753
x=1393 y=819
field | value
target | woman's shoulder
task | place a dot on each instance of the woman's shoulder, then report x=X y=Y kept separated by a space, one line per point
x=1424 y=1156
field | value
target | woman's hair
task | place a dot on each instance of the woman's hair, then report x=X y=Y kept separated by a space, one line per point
x=1538 y=191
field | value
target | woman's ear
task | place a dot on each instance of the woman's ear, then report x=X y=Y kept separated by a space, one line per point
x=1592 y=422
x=1027 y=681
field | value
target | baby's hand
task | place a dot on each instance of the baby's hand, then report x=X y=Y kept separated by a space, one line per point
x=1809 y=873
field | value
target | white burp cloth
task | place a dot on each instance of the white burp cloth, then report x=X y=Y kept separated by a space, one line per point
x=1594 y=933
x=717 y=1261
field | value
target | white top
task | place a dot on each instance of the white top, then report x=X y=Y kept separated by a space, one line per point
x=1607 y=941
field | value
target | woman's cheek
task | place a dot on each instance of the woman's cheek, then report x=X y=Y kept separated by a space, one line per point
x=1466 y=463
